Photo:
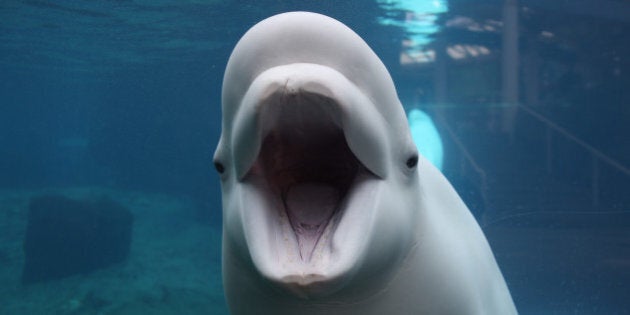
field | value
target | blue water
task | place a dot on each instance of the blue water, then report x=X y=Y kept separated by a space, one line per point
x=529 y=98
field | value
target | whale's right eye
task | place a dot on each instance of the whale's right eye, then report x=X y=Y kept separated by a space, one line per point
x=219 y=167
x=412 y=161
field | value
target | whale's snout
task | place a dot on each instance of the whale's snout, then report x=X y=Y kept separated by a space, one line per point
x=312 y=107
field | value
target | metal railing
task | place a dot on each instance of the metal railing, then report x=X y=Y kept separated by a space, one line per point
x=596 y=155
x=467 y=158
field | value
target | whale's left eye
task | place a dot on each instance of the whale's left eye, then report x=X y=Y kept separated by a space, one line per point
x=219 y=167
x=412 y=161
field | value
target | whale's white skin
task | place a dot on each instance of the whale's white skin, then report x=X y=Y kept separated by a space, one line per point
x=324 y=209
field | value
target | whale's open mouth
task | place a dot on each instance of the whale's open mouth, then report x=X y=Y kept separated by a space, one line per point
x=310 y=157
x=307 y=163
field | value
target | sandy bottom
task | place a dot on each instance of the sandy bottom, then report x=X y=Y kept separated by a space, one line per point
x=173 y=266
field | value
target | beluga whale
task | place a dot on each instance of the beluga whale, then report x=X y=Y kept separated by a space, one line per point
x=328 y=208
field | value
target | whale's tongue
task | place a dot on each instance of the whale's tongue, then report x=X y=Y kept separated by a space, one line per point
x=310 y=207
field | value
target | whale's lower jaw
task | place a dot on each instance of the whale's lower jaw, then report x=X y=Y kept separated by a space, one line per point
x=275 y=247
x=307 y=202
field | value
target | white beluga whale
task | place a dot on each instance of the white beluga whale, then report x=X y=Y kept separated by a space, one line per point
x=327 y=206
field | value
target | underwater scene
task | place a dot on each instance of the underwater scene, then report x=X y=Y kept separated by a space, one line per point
x=112 y=175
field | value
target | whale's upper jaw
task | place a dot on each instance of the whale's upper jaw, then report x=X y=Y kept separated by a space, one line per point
x=308 y=197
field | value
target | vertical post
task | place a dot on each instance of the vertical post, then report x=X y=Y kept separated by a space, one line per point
x=595 y=182
x=440 y=77
x=509 y=65
x=549 y=157
x=531 y=73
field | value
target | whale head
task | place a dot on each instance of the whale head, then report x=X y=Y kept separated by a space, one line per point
x=318 y=168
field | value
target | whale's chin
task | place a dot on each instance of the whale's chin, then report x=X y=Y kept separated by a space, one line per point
x=309 y=201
